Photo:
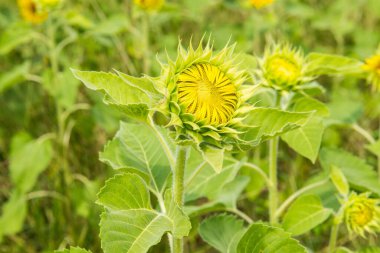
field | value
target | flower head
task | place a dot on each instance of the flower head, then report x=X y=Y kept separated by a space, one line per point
x=31 y=12
x=150 y=4
x=259 y=3
x=372 y=66
x=283 y=68
x=204 y=95
x=362 y=214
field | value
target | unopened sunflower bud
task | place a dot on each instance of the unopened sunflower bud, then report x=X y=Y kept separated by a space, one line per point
x=204 y=95
x=362 y=214
x=283 y=68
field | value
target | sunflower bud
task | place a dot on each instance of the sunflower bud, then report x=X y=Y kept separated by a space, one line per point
x=31 y=11
x=203 y=91
x=150 y=4
x=362 y=214
x=258 y=4
x=372 y=67
x=282 y=68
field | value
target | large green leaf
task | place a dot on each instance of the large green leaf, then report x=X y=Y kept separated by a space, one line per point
x=132 y=231
x=135 y=146
x=307 y=139
x=261 y=238
x=359 y=174
x=129 y=99
x=181 y=222
x=231 y=191
x=270 y=122
x=328 y=64
x=304 y=214
x=28 y=161
x=222 y=231
x=308 y=104
x=132 y=193
x=201 y=179
x=129 y=224
x=13 y=215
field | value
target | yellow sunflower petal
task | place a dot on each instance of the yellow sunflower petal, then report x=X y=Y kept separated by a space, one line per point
x=207 y=93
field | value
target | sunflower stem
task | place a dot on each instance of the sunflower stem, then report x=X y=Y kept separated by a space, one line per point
x=273 y=192
x=333 y=237
x=178 y=188
x=146 y=42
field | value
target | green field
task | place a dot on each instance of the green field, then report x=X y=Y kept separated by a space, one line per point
x=189 y=126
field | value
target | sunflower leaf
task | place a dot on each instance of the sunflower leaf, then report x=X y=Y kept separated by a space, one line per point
x=263 y=238
x=133 y=102
x=222 y=232
x=304 y=214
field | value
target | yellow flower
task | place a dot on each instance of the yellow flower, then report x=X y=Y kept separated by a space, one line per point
x=30 y=11
x=283 y=68
x=150 y=4
x=372 y=66
x=362 y=214
x=207 y=93
x=259 y=3
x=204 y=96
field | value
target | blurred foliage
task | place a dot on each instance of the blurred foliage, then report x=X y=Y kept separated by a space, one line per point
x=51 y=129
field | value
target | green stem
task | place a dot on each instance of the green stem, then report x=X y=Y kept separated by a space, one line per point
x=333 y=237
x=146 y=42
x=273 y=191
x=298 y=193
x=178 y=188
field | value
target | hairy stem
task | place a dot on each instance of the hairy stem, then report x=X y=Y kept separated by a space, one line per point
x=298 y=193
x=333 y=237
x=178 y=188
x=273 y=191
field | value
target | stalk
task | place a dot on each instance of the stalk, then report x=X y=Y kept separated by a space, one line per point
x=333 y=237
x=178 y=188
x=273 y=155
x=273 y=191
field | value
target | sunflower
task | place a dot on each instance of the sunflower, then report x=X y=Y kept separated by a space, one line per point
x=362 y=214
x=372 y=66
x=259 y=3
x=283 y=68
x=204 y=95
x=30 y=11
x=150 y=4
